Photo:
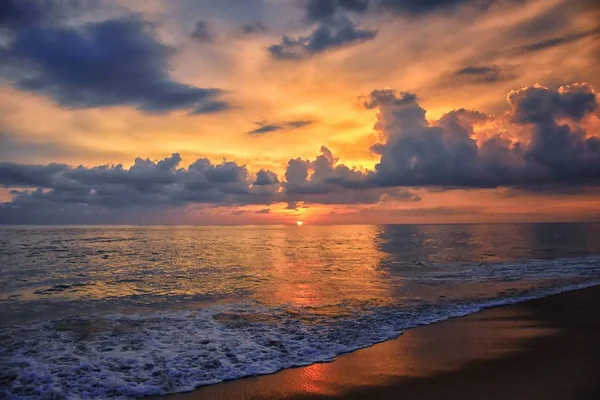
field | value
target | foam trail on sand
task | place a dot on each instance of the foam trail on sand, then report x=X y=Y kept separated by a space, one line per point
x=124 y=356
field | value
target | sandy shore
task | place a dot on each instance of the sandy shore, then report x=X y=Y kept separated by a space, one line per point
x=541 y=349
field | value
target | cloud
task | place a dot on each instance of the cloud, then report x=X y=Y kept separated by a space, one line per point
x=15 y=14
x=202 y=32
x=56 y=192
x=292 y=205
x=97 y=64
x=264 y=178
x=145 y=183
x=17 y=147
x=415 y=152
x=263 y=211
x=425 y=211
x=558 y=41
x=265 y=127
x=322 y=10
x=262 y=129
x=319 y=10
x=542 y=107
x=299 y=124
x=325 y=181
x=543 y=143
x=16 y=175
x=327 y=36
x=482 y=74
x=212 y=107
x=246 y=30
x=418 y=7
x=332 y=29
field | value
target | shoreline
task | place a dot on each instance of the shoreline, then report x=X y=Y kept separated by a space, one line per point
x=540 y=348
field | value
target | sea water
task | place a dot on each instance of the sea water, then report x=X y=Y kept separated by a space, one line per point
x=122 y=312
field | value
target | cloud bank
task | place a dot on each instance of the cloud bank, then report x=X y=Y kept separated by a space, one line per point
x=559 y=150
x=543 y=142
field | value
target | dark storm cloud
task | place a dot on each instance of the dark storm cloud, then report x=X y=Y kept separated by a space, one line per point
x=444 y=154
x=106 y=63
x=482 y=74
x=330 y=35
x=559 y=41
x=266 y=127
x=202 y=32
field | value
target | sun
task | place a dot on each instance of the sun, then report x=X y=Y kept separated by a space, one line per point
x=299 y=223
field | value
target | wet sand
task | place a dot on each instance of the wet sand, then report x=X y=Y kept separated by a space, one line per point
x=541 y=349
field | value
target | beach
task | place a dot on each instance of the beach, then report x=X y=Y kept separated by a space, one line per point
x=318 y=312
x=546 y=348
x=299 y=199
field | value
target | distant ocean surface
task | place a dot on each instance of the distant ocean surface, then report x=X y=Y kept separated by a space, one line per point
x=120 y=312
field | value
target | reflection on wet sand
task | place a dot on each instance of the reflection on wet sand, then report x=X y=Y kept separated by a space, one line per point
x=421 y=352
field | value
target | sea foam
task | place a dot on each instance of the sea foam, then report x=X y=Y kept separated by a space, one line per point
x=126 y=356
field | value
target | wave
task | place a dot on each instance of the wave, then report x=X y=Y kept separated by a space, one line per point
x=125 y=356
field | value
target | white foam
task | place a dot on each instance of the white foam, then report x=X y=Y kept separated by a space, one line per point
x=530 y=271
x=124 y=356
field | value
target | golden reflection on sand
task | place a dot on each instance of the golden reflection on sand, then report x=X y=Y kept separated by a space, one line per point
x=421 y=352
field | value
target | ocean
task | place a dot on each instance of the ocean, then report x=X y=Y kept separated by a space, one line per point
x=124 y=312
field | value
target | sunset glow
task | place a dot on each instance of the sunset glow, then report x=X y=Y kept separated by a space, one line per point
x=219 y=120
x=217 y=199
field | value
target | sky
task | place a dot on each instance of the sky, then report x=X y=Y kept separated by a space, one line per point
x=278 y=111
